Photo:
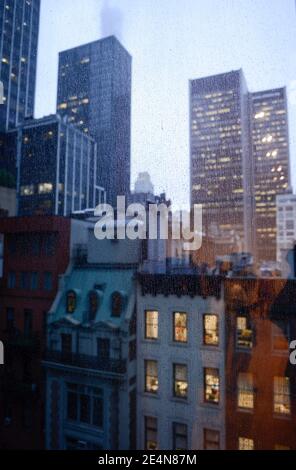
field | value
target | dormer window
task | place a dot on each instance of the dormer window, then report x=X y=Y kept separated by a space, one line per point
x=71 y=302
x=93 y=304
x=117 y=303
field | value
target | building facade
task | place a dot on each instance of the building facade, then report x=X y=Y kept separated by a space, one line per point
x=56 y=168
x=94 y=92
x=180 y=362
x=286 y=223
x=19 y=28
x=260 y=380
x=221 y=166
x=90 y=362
x=271 y=160
x=37 y=250
x=27 y=290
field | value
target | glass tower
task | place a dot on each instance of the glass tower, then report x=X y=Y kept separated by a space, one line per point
x=19 y=27
x=219 y=159
x=94 y=92
x=270 y=148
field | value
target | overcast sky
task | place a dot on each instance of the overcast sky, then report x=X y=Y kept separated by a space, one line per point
x=172 y=41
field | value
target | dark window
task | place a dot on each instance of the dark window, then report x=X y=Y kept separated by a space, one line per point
x=72 y=406
x=98 y=412
x=85 y=405
x=103 y=347
x=180 y=380
x=36 y=245
x=211 y=439
x=66 y=344
x=132 y=350
x=10 y=319
x=25 y=280
x=11 y=281
x=28 y=322
x=84 y=408
x=34 y=281
x=12 y=245
x=50 y=245
x=180 y=436
x=150 y=433
x=27 y=409
x=47 y=281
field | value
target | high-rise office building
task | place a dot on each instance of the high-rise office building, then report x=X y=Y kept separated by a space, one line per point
x=94 y=92
x=19 y=27
x=220 y=156
x=57 y=172
x=270 y=149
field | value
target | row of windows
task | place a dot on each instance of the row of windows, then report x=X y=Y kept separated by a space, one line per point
x=211 y=336
x=27 y=321
x=211 y=437
x=180 y=327
x=32 y=244
x=85 y=405
x=245 y=387
x=30 y=281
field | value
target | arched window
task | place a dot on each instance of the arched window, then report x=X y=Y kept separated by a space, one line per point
x=71 y=302
x=93 y=304
x=117 y=303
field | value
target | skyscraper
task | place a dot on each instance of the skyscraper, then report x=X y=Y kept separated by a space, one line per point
x=220 y=156
x=19 y=27
x=94 y=91
x=270 y=149
x=57 y=168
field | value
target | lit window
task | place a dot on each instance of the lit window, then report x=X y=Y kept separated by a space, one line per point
x=27 y=190
x=180 y=327
x=281 y=395
x=244 y=334
x=150 y=433
x=71 y=302
x=85 y=60
x=211 y=385
x=267 y=139
x=151 y=324
x=151 y=376
x=45 y=188
x=245 y=388
x=245 y=443
x=180 y=436
x=260 y=115
x=63 y=106
x=180 y=381
x=280 y=336
x=211 y=330
x=211 y=439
